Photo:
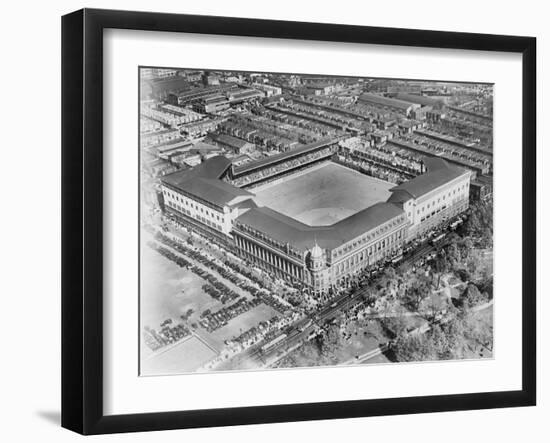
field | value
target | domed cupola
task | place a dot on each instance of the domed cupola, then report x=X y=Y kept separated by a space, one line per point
x=316 y=252
x=316 y=257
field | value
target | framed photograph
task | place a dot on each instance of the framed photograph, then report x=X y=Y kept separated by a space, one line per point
x=270 y=221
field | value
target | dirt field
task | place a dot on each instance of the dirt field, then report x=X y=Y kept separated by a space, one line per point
x=323 y=195
x=168 y=291
x=185 y=356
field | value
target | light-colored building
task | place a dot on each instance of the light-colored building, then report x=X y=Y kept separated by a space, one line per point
x=269 y=90
x=199 y=195
x=379 y=101
x=157 y=73
x=319 y=258
x=433 y=197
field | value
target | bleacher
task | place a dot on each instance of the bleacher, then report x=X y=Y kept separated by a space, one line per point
x=268 y=168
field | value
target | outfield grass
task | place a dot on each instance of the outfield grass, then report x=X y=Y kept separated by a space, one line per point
x=323 y=195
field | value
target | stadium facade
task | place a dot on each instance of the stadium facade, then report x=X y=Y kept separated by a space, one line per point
x=218 y=197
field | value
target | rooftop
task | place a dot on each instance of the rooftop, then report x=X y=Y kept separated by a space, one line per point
x=439 y=173
x=418 y=99
x=301 y=236
x=384 y=101
x=203 y=181
x=231 y=141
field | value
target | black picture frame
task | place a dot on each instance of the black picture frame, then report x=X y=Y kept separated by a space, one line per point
x=82 y=215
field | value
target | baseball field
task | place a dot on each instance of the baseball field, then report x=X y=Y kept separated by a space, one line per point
x=323 y=195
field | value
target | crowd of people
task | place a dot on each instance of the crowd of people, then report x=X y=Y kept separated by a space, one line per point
x=377 y=157
x=281 y=167
x=368 y=167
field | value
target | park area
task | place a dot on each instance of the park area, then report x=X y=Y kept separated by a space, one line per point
x=323 y=195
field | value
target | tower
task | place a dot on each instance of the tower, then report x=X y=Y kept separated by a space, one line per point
x=317 y=266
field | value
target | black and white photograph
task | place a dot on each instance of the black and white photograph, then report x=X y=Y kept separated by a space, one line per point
x=266 y=222
x=292 y=220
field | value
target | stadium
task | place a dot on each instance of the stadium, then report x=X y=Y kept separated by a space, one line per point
x=304 y=217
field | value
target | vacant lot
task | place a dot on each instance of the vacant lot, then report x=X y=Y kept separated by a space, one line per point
x=185 y=356
x=323 y=195
x=168 y=291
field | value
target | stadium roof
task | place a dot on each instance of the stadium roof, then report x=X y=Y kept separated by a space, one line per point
x=301 y=236
x=384 y=101
x=203 y=182
x=439 y=173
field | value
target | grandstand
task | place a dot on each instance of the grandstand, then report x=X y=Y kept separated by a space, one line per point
x=268 y=168
x=307 y=220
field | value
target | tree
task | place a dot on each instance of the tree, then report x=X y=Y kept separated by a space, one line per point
x=368 y=298
x=440 y=266
x=465 y=246
x=441 y=344
x=310 y=353
x=396 y=325
x=472 y=296
x=453 y=254
x=329 y=340
x=443 y=341
x=486 y=286
x=434 y=305
x=480 y=222
x=475 y=262
x=388 y=281
x=418 y=290
x=479 y=330
x=454 y=332
x=389 y=273
x=414 y=347
x=463 y=274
